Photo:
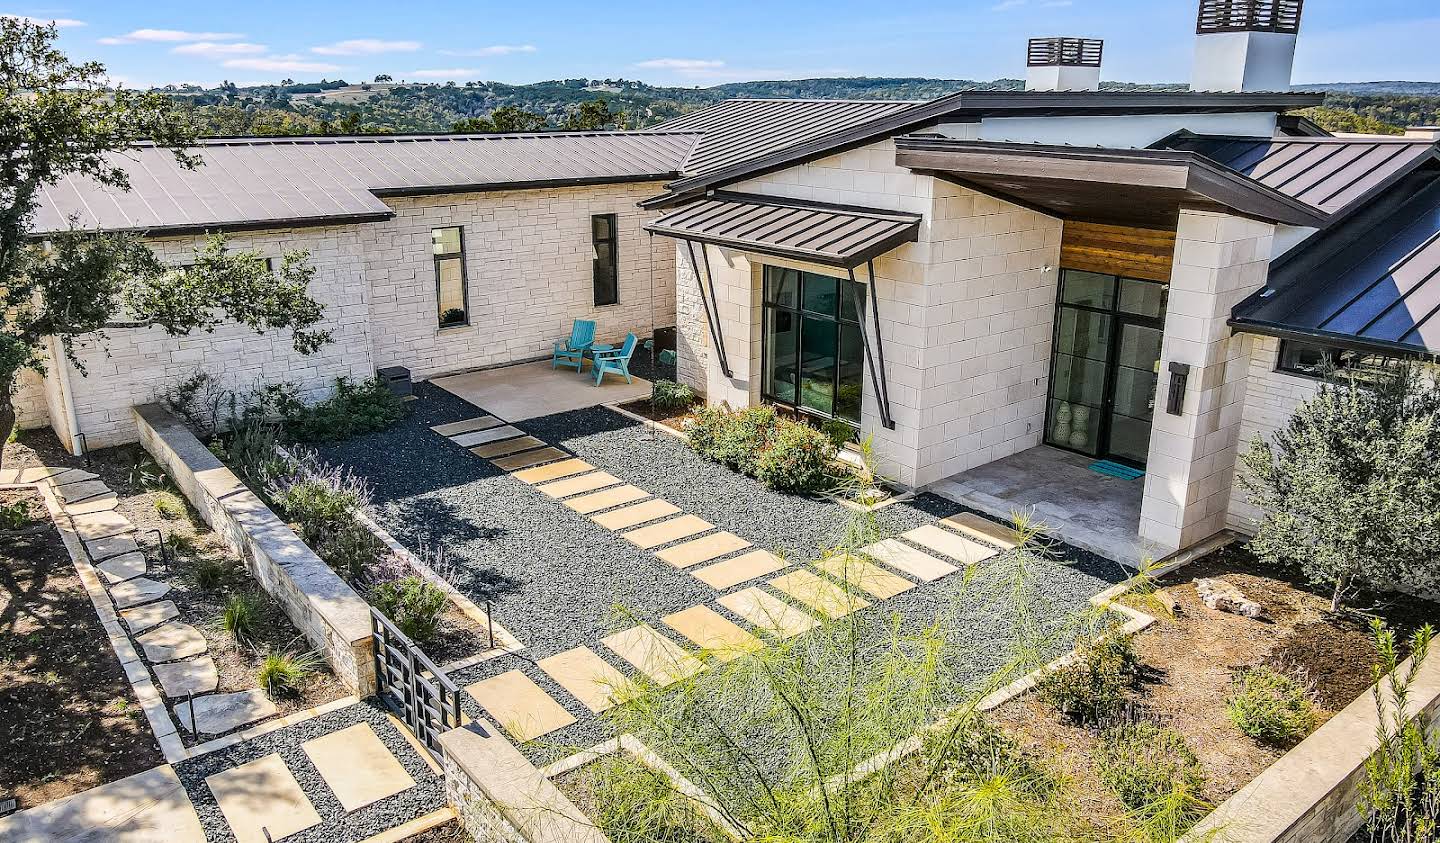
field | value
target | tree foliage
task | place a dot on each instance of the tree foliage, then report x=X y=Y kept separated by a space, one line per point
x=1349 y=487
x=506 y=118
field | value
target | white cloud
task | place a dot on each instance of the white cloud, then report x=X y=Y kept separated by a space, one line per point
x=496 y=50
x=281 y=64
x=169 y=36
x=447 y=73
x=366 y=47
x=681 y=65
x=714 y=70
x=1007 y=5
x=212 y=49
x=62 y=23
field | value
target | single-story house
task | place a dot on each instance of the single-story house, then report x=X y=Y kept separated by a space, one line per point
x=995 y=286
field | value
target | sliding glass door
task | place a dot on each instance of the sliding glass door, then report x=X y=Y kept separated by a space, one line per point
x=813 y=355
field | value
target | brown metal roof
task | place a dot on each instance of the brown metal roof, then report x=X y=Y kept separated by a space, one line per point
x=1335 y=175
x=1371 y=282
x=834 y=235
x=266 y=182
x=736 y=130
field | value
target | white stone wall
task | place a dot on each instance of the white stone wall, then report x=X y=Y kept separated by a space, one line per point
x=29 y=400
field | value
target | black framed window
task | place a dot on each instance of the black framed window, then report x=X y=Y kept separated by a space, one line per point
x=814 y=358
x=452 y=299
x=606 y=243
x=1316 y=360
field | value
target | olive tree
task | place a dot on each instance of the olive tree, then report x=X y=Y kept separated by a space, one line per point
x=1350 y=487
x=59 y=119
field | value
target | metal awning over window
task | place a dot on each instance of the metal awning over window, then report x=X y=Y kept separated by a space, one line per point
x=833 y=235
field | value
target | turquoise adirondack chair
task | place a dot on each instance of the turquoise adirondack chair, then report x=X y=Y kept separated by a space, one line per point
x=617 y=360
x=571 y=352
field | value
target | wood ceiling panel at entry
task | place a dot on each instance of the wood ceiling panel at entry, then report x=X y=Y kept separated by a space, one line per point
x=1146 y=253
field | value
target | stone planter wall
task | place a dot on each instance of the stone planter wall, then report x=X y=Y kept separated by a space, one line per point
x=334 y=619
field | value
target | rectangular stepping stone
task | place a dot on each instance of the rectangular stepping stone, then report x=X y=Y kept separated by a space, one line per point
x=586 y=504
x=819 y=594
x=171 y=642
x=124 y=567
x=869 y=578
x=520 y=706
x=507 y=446
x=768 y=613
x=482 y=437
x=216 y=714
x=592 y=680
x=453 y=428
x=667 y=531
x=113 y=546
x=712 y=631
x=553 y=472
x=653 y=654
x=99 y=503
x=983 y=529
x=101 y=525
x=530 y=458
x=72 y=475
x=136 y=591
x=357 y=767
x=903 y=557
x=951 y=544
x=702 y=549
x=262 y=794
x=35 y=475
x=635 y=514
x=144 y=617
x=577 y=485
x=188 y=678
x=747 y=566
x=76 y=492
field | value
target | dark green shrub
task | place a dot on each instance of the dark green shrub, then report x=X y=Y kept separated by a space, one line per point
x=241 y=618
x=703 y=430
x=839 y=432
x=670 y=396
x=319 y=507
x=1091 y=689
x=14 y=516
x=744 y=436
x=1145 y=763
x=1270 y=706
x=283 y=674
x=351 y=410
x=797 y=459
x=412 y=604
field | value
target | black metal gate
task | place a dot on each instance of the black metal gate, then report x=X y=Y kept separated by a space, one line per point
x=412 y=686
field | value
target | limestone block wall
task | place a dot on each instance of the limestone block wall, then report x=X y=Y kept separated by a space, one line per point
x=529 y=271
x=30 y=409
x=331 y=616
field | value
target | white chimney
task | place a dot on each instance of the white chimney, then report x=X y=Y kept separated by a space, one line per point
x=1063 y=64
x=1245 y=45
x=1429 y=133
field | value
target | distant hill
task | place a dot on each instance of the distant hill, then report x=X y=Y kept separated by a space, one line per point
x=1423 y=89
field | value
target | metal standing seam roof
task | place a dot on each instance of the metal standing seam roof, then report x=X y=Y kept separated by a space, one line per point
x=1334 y=175
x=809 y=231
x=254 y=182
x=1377 y=286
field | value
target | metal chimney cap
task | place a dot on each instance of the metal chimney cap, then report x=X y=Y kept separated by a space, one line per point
x=1282 y=16
x=1064 y=52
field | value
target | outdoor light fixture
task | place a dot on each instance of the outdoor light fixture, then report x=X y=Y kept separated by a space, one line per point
x=1179 y=375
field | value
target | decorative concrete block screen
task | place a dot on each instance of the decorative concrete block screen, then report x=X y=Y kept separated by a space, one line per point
x=334 y=619
x=1310 y=794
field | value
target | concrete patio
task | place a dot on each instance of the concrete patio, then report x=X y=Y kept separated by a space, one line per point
x=533 y=390
x=1089 y=510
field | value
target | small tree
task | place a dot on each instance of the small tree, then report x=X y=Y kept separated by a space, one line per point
x=1349 y=487
x=1400 y=794
x=60 y=119
x=593 y=115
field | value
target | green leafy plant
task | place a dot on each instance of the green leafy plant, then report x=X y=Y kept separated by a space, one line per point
x=241 y=618
x=669 y=396
x=841 y=433
x=181 y=544
x=451 y=317
x=14 y=516
x=1145 y=763
x=1400 y=792
x=212 y=573
x=1269 y=706
x=637 y=804
x=284 y=673
x=744 y=435
x=319 y=506
x=787 y=456
x=798 y=460
x=169 y=505
x=412 y=604
x=351 y=410
x=1091 y=688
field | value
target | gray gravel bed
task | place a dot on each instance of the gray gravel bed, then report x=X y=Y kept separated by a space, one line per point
x=335 y=826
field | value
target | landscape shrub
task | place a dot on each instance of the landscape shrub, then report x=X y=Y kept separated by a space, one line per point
x=981 y=752
x=797 y=459
x=14 y=516
x=1146 y=763
x=211 y=573
x=670 y=396
x=744 y=436
x=1400 y=792
x=351 y=410
x=1091 y=689
x=703 y=430
x=241 y=618
x=181 y=545
x=1269 y=706
x=284 y=674
x=839 y=432
x=412 y=604
x=321 y=505
x=785 y=455
x=637 y=804
x=169 y=505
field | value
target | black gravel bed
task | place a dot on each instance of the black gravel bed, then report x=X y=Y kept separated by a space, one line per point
x=335 y=826
x=554 y=577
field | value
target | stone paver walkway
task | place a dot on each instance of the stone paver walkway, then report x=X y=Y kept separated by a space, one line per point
x=144 y=808
x=262 y=797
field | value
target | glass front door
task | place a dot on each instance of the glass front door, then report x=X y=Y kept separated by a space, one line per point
x=813 y=354
x=1105 y=367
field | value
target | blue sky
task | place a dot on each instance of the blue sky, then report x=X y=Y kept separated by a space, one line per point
x=704 y=43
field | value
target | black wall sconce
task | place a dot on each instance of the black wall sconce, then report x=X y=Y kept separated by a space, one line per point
x=1175 y=402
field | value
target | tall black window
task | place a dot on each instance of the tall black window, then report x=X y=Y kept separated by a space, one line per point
x=447 y=246
x=814 y=357
x=607 y=276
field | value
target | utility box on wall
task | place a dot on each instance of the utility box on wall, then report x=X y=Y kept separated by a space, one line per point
x=398 y=379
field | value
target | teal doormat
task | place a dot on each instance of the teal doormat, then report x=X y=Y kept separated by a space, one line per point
x=1115 y=469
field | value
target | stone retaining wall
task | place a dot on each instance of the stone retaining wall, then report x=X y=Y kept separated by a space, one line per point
x=1310 y=794
x=334 y=619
